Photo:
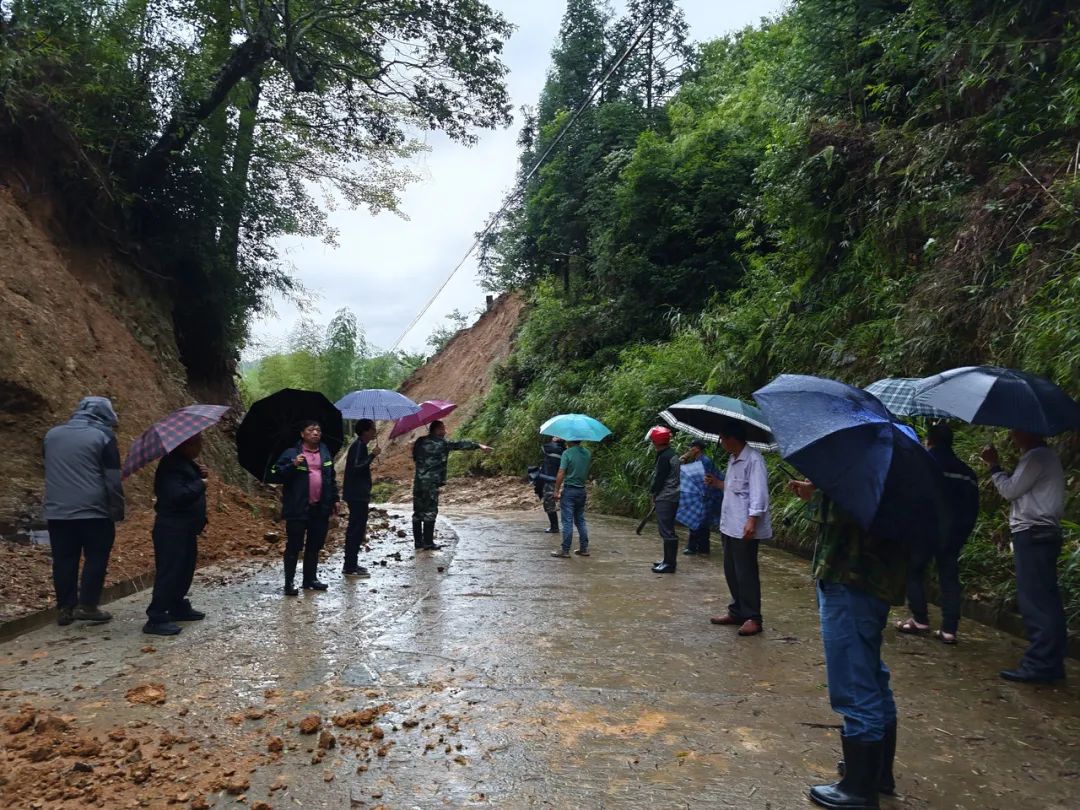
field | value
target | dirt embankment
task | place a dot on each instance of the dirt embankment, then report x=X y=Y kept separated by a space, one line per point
x=462 y=373
x=81 y=319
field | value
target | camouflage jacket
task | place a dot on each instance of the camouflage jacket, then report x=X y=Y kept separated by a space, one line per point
x=431 y=454
x=848 y=554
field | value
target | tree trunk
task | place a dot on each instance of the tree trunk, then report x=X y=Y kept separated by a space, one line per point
x=245 y=57
x=235 y=198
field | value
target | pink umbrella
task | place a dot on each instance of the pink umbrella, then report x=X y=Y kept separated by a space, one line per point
x=429 y=411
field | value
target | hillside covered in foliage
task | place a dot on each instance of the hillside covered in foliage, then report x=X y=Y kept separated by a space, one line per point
x=853 y=189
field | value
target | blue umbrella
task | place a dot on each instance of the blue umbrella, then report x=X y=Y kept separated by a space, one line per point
x=1003 y=397
x=376 y=403
x=575 y=427
x=844 y=440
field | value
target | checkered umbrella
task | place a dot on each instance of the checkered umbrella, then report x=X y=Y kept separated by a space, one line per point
x=165 y=436
x=897 y=394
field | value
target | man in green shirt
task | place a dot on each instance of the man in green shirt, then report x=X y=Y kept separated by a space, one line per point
x=570 y=490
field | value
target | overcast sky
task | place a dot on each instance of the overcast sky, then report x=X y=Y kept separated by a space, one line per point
x=385 y=268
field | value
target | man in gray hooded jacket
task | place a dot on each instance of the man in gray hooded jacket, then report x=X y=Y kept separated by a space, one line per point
x=83 y=502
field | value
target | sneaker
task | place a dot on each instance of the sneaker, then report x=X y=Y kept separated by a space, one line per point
x=64 y=617
x=431 y=547
x=359 y=572
x=290 y=589
x=663 y=568
x=560 y=553
x=315 y=585
x=189 y=615
x=161 y=628
x=85 y=613
x=583 y=552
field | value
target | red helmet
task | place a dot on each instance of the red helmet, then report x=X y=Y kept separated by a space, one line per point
x=659 y=435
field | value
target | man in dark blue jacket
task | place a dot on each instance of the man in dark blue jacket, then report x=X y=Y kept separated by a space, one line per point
x=961 y=489
x=180 y=504
x=308 y=498
x=356 y=492
x=84 y=500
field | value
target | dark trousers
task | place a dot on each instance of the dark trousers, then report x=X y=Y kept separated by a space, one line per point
x=698 y=539
x=355 y=532
x=948 y=571
x=665 y=523
x=308 y=536
x=89 y=540
x=176 y=548
x=1035 y=553
x=743 y=579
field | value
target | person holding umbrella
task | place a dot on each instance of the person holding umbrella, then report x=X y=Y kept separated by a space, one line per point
x=569 y=488
x=309 y=497
x=744 y=523
x=1036 y=494
x=356 y=491
x=699 y=503
x=180 y=507
x=1032 y=407
x=882 y=493
x=430 y=454
x=180 y=517
x=664 y=494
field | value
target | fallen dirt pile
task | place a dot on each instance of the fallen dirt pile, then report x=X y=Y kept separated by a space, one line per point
x=241 y=526
x=461 y=373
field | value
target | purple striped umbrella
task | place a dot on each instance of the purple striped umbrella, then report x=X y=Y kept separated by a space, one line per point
x=166 y=435
x=429 y=411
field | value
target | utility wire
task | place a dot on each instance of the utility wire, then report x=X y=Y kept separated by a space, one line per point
x=513 y=195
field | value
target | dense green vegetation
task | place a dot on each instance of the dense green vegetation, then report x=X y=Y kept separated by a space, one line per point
x=855 y=190
x=201 y=130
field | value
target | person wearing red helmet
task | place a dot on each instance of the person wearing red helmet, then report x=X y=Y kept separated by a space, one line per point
x=664 y=493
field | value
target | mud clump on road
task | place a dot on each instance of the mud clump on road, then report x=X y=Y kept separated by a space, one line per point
x=359 y=719
x=310 y=724
x=149 y=694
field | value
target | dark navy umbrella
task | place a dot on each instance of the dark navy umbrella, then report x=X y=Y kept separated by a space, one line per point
x=1002 y=397
x=844 y=440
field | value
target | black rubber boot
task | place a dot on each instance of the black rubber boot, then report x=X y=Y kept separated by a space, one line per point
x=429 y=536
x=290 y=574
x=858 y=789
x=886 y=782
x=553 y=518
x=418 y=534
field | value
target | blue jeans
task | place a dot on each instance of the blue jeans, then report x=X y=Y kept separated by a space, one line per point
x=573 y=514
x=852 y=622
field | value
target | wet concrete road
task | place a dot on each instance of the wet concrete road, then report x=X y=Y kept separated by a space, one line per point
x=513 y=679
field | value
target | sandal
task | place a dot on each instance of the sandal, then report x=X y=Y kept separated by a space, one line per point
x=911 y=626
x=946 y=638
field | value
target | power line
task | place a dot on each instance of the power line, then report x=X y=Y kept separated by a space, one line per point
x=520 y=188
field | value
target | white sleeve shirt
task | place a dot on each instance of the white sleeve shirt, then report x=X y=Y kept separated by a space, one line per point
x=746 y=494
x=1035 y=490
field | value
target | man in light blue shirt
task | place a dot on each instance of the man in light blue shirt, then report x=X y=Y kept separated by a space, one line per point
x=744 y=522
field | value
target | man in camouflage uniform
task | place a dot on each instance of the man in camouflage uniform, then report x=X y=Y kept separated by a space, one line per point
x=858 y=576
x=430 y=454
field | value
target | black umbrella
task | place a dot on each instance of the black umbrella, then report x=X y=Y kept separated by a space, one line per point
x=273 y=424
x=1002 y=397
